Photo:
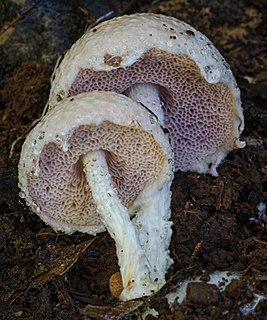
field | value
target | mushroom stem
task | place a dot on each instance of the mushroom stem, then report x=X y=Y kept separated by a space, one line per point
x=133 y=263
x=148 y=95
x=154 y=230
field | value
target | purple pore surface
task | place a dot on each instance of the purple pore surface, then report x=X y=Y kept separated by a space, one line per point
x=199 y=115
x=61 y=191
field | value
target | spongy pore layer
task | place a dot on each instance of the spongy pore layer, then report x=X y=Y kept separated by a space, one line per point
x=61 y=192
x=199 y=114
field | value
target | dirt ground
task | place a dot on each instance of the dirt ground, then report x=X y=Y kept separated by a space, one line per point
x=219 y=224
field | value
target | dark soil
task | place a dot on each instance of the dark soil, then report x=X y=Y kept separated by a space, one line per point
x=217 y=224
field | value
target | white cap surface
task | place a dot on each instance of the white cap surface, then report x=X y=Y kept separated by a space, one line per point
x=50 y=176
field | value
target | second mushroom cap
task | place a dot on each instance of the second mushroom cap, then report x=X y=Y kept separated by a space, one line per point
x=93 y=161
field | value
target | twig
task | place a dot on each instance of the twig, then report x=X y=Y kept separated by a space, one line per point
x=195 y=213
x=11 y=152
x=196 y=250
x=19 y=17
x=100 y=19
x=259 y=241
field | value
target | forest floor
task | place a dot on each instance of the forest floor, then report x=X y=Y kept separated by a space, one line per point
x=219 y=223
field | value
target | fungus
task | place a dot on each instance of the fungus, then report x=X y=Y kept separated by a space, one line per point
x=194 y=93
x=95 y=161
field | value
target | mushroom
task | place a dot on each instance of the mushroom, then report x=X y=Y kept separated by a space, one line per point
x=95 y=161
x=172 y=69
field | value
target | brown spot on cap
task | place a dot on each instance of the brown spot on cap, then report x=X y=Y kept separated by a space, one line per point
x=113 y=61
x=190 y=33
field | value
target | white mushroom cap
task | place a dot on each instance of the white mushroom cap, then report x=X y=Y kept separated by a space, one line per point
x=57 y=127
x=199 y=93
x=93 y=161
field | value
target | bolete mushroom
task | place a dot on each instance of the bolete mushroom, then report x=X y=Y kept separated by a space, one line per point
x=93 y=162
x=172 y=69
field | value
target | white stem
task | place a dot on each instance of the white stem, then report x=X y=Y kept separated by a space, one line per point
x=133 y=263
x=148 y=95
x=154 y=229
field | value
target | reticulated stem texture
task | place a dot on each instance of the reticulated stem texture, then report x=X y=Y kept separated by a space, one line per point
x=154 y=230
x=133 y=263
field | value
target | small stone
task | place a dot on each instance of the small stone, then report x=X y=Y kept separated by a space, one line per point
x=234 y=288
x=205 y=276
x=202 y=293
